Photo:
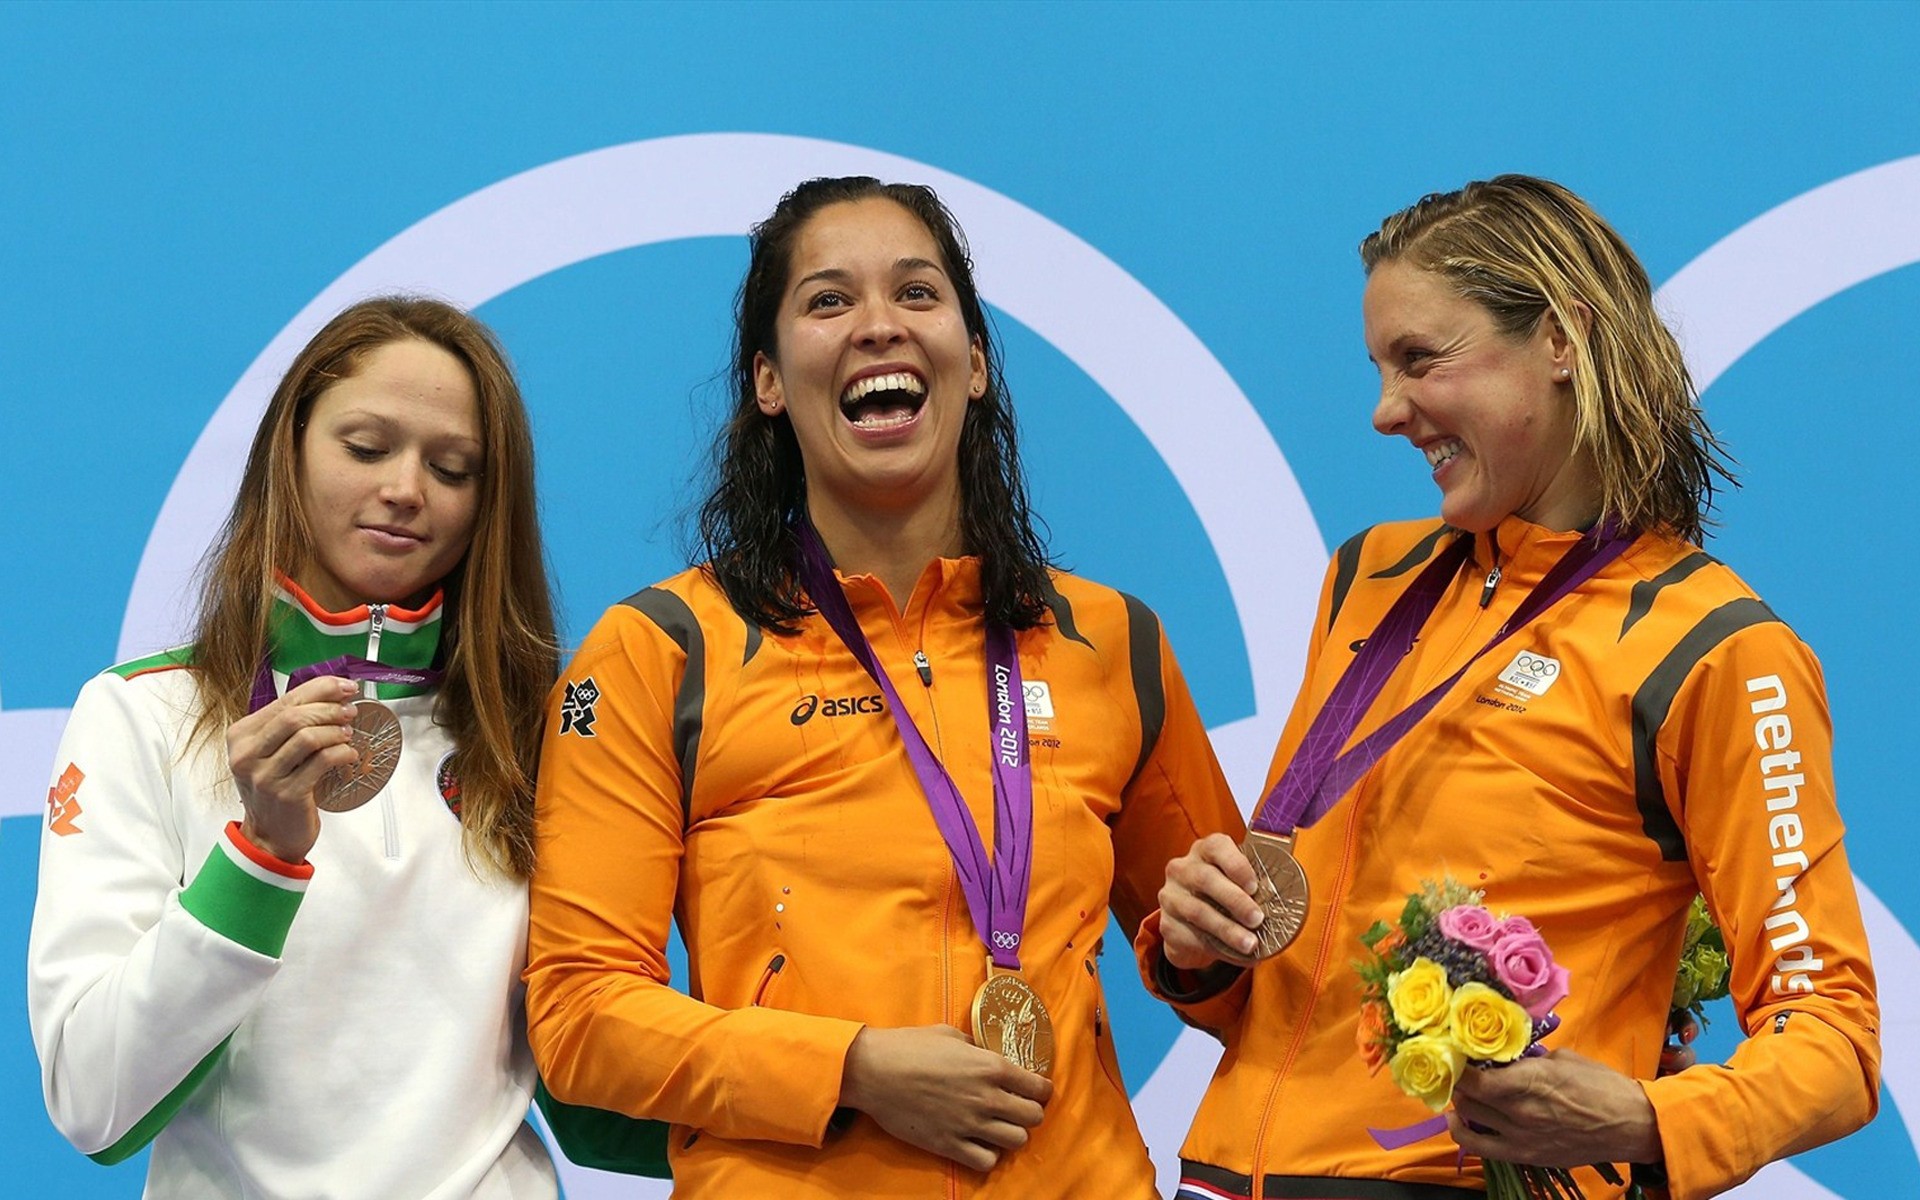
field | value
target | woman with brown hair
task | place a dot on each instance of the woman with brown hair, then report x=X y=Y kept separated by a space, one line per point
x=282 y=902
x=1599 y=720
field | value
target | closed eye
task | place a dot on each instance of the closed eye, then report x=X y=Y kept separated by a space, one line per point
x=452 y=476
x=364 y=453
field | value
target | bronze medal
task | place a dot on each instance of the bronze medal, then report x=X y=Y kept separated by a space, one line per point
x=376 y=739
x=1281 y=891
x=1010 y=1019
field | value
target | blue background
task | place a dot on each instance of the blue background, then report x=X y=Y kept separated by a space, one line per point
x=178 y=181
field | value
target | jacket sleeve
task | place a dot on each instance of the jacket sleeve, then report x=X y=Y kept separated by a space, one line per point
x=1177 y=796
x=136 y=979
x=1745 y=759
x=608 y=1030
x=1216 y=999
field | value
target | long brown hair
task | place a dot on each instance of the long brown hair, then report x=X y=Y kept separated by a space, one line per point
x=498 y=645
x=1522 y=247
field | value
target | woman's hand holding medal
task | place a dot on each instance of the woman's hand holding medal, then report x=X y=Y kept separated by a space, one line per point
x=933 y=1088
x=280 y=752
x=1208 y=913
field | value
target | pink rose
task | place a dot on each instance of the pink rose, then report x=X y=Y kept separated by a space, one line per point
x=1521 y=960
x=1470 y=925
x=1516 y=925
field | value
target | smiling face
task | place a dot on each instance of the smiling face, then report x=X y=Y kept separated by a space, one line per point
x=873 y=364
x=1492 y=412
x=390 y=462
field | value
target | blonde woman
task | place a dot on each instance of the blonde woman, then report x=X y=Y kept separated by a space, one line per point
x=1650 y=730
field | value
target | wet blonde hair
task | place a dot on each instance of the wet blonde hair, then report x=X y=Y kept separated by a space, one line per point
x=1523 y=248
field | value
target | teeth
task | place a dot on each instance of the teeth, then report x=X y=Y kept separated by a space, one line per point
x=1440 y=452
x=898 y=381
x=875 y=421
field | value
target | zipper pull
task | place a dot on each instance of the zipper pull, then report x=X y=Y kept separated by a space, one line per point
x=376 y=621
x=925 y=668
x=1493 y=581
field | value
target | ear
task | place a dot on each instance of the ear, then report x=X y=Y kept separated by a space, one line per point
x=1558 y=340
x=977 y=381
x=768 y=393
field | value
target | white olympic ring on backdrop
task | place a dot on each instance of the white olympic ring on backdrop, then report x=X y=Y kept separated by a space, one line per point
x=710 y=185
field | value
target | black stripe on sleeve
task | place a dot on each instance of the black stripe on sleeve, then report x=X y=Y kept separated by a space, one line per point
x=1062 y=610
x=754 y=638
x=1655 y=698
x=1346 y=563
x=1421 y=552
x=677 y=621
x=1647 y=590
x=1143 y=656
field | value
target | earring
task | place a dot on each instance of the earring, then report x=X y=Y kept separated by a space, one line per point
x=1564 y=374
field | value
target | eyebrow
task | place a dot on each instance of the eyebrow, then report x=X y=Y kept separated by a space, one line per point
x=841 y=274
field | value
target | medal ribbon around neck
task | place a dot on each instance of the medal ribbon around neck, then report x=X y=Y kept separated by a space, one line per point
x=1318 y=775
x=995 y=886
x=347 y=666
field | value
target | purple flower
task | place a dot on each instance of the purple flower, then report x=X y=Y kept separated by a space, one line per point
x=1470 y=925
x=1521 y=960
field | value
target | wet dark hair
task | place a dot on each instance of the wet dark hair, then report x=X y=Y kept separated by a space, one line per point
x=759 y=485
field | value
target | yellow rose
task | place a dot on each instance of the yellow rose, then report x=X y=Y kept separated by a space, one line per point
x=1488 y=1026
x=1419 y=996
x=1425 y=1067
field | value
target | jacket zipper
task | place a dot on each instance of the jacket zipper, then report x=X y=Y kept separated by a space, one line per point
x=389 y=818
x=775 y=965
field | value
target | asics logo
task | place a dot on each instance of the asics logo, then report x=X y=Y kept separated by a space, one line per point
x=834 y=706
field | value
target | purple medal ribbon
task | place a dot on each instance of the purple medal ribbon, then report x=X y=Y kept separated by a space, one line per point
x=1318 y=774
x=995 y=886
x=347 y=666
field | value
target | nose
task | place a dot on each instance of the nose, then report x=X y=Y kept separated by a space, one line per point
x=880 y=325
x=405 y=483
x=1391 y=414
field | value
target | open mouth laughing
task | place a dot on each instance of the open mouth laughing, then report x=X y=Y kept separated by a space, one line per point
x=884 y=401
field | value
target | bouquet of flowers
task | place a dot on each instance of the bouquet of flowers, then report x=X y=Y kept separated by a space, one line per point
x=1452 y=985
x=1703 y=976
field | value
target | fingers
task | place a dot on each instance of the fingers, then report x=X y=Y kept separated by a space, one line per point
x=1226 y=856
x=1028 y=1086
x=275 y=742
x=1483 y=1142
x=1207 y=911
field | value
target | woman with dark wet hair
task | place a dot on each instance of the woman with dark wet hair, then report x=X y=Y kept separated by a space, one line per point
x=885 y=766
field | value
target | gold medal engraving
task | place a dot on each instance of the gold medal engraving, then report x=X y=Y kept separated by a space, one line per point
x=1281 y=891
x=376 y=739
x=1010 y=1019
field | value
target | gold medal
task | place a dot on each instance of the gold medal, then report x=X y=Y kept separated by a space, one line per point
x=1010 y=1019
x=1280 y=891
x=376 y=741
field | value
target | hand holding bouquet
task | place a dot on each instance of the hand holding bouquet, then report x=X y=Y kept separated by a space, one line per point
x=1452 y=985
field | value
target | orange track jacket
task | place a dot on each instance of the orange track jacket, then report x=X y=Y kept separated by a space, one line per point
x=752 y=788
x=1656 y=732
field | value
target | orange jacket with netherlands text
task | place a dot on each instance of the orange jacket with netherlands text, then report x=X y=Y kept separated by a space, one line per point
x=1656 y=732
x=753 y=788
